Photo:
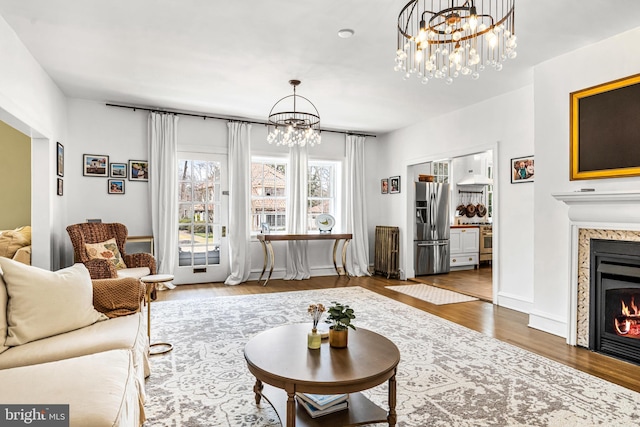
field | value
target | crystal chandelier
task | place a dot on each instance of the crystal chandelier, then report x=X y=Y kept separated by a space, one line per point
x=289 y=126
x=463 y=38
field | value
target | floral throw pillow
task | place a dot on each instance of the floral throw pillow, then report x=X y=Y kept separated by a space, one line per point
x=106 y=250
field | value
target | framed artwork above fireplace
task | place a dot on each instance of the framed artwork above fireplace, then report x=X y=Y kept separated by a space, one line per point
x=605 y=130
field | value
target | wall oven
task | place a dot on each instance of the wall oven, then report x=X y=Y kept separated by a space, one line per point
x=486 y=243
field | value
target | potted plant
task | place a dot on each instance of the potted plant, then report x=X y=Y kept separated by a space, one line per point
x=340 y=317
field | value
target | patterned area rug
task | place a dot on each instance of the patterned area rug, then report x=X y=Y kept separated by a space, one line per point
x=448 y=375
x=432 y=294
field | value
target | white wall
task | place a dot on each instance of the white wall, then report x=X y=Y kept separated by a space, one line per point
x=505 y=122
x=121 y=134
x=554 y=80
x=33 y=104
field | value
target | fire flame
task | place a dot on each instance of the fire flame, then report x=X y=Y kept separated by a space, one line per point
x=626 y=311
x=628 y=323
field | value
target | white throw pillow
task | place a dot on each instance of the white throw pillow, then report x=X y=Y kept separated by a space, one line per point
x=44 y=303
x=3 y=314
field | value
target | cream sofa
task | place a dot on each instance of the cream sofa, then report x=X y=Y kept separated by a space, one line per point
x=56 y=348
x=16 y=244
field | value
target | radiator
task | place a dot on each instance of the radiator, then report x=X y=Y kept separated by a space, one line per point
x=386 y=251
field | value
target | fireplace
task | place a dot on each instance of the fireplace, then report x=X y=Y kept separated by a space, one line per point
x=614 y=315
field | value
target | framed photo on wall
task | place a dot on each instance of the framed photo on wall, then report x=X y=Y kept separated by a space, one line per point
x=394 y=184
x=522 y=169
x=384 y=185
x=138 y=170
x=116 y=186
x=95 y=165
x=605 y=130
x=118 y=170
x=60 y=187
x=60 y=162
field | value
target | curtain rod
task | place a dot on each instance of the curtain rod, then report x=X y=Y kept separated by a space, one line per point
x=230 y=119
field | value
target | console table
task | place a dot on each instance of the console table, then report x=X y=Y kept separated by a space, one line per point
x=269 y=257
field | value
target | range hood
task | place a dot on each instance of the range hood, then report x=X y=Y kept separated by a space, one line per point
x=475 y=179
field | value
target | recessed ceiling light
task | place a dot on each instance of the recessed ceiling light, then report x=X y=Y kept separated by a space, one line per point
x=346 y=33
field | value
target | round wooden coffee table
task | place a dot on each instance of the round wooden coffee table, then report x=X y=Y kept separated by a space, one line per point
x=280 y=359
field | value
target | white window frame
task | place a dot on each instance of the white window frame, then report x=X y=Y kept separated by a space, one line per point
x=336 y=184
x=438 y=177
x=270 y=160
x=336 y=190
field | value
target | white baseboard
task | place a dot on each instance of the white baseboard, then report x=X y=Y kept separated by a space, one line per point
x=548 y=323
x=514 y=302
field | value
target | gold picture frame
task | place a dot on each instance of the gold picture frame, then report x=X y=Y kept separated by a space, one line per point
x=604 y=130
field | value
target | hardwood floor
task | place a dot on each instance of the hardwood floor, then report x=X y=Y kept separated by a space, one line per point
x=501 y=323
x=476 y=283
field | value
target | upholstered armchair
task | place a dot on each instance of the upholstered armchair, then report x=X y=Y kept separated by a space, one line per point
x=101 y=248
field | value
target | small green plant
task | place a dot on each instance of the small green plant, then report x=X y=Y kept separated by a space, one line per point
x=340 y=316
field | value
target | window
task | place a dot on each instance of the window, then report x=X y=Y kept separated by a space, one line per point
x=440 y=171
x=268 y=194
x=321 y=191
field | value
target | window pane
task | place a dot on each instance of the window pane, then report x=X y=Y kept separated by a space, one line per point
x=268 y=195
x=321 y=190
x=185 y=212
x=184 y=170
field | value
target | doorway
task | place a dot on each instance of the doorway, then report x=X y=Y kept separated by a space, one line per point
x=202 y=219
x=471 y=177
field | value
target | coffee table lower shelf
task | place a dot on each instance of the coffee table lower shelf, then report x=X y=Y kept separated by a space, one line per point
x=361 y=411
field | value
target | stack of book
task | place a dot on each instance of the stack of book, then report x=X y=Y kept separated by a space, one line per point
x=317 y=405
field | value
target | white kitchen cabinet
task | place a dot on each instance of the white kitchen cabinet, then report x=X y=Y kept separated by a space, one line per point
x=464 y=247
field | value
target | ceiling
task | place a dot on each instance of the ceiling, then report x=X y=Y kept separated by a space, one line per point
x=235 y=58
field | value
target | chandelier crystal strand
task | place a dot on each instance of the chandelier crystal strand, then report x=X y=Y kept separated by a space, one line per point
x=289 y=126
x=461 y=38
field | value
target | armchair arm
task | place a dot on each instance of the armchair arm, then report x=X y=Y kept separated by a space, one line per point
x=141 y=260
x=118 y=297
x=100 y=269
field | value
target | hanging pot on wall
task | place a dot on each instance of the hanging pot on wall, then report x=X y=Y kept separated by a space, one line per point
x=481 y=210
x=470 y=210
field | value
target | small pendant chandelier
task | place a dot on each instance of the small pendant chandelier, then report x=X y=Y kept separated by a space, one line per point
x=460 y=40
x=290 y=126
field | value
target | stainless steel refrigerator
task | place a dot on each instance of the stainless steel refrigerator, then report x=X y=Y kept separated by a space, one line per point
x=431 y=239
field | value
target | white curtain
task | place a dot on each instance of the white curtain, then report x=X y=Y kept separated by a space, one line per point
x=358 y=259
x=297 y=260
x=163 y=194
x=239 y=202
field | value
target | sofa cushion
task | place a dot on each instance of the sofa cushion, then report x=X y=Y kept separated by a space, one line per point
x=127 y=332
x=43 y=303
x=106 y=250
x=3 y=314
x=100 y=389
x=12 y=240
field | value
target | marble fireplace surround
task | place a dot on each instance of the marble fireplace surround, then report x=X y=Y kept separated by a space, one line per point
x=610 y=215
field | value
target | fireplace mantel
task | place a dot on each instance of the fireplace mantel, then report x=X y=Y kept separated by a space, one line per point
x=622 y=207
x=605 y=197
